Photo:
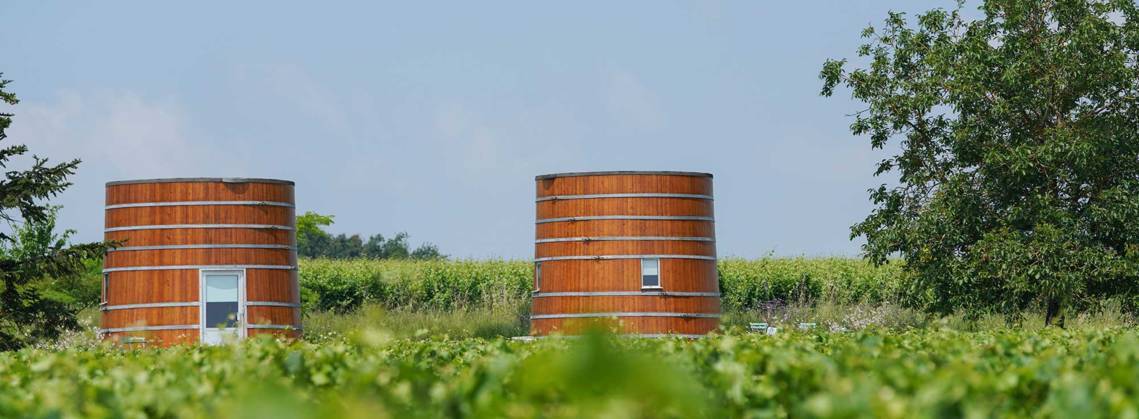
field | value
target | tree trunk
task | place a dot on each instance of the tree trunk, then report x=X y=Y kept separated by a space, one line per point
x=1052 y=310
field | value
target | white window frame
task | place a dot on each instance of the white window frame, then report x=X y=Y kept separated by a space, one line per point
x=242 y=330
x=537 y=276
x=660 y=282
x=106 y=285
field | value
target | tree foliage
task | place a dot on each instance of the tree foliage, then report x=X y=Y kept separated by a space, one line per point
x=309 y=226
x=32 y=253
x=75 y=290
x=314 y=242
x=1018 y=152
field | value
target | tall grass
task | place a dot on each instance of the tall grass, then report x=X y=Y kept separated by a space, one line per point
x=420 y=324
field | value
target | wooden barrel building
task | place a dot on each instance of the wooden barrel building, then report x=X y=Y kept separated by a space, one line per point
x=199 y=259
x=636 y=249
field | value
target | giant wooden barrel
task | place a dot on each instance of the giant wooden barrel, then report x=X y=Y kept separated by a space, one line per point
x=200 y=259
x=634 y=249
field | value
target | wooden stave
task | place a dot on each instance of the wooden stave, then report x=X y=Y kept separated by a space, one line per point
x=629 y=325
x=624 y=206
x=620 y=228
x=200 y=214
x=627 y=183
x=647 y=303
x=165 y=338
x=199 y=257
x=160 y=338
x=263 y=285
x=119 y=194
x=624 y=247
x=598 y=276
x=199 y=236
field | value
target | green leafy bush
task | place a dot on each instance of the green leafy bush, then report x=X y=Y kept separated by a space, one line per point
x=872 y=373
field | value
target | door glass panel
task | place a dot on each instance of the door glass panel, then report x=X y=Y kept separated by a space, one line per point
x=221 y=301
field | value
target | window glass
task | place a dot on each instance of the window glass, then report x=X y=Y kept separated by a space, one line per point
x=650 y=273
x=221 y=300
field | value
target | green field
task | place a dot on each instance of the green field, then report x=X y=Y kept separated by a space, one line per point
x=432 y=338
x=919 y=373
x=343 y=285
x=491 y=298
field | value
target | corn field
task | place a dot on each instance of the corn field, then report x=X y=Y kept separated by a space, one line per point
x=344 y=285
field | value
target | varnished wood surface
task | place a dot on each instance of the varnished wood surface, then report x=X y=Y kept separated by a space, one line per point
x=173 y=285
x=624 y=275
x=177 y=257
x=198 y=191
x=142 y=287
x=624 y=206
x=157 y=316
x=162 y=338
x=631 y=247
x=620 y=228
x=610 y=184
x=185 y=236
x=614 y=304
x=199 y=214
x=288 y=334
x=157 y=338
x=632 y=325
x=272 y=285
x=272 y=315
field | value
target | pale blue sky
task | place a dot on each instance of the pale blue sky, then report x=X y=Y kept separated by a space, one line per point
x=434 y=118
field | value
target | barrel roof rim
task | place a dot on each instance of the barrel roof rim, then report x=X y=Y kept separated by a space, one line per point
x=622 y=172
x=202 y=179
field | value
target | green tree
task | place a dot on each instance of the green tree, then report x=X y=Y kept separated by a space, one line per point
x=314 y=242
x=311 y=237
x=79 y=290
x=1018 y=152
x=396 y=247
x=29 y=254
x=427 y=251
x=380 y=248
x=344 y=246
x=374 y=248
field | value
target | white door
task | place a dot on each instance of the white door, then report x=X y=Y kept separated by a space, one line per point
x=223 y=306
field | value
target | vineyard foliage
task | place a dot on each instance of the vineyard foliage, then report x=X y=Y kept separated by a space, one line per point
x=920 y=373
x=344 y=285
